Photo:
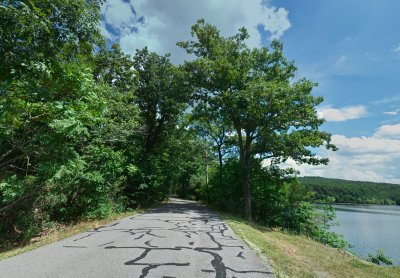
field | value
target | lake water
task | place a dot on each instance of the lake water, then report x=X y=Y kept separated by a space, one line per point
x=369 y=227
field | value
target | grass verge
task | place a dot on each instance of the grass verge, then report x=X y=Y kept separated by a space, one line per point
x=61 y=233
x=298 y=256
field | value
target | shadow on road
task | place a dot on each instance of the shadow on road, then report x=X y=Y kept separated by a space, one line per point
x=178 y=238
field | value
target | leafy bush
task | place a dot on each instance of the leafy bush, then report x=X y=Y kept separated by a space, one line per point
x=379 y=258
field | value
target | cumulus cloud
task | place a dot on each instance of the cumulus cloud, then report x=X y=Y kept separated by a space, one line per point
x=388 y=131
x=375 y=158
x=366 y=145
x=342 y=114
x=119 y=16
x=159 y=25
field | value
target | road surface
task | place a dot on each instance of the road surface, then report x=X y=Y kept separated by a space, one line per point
x=179 y=239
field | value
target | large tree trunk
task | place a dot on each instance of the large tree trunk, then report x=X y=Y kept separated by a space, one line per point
x=220 y=165
x=245 y=149
x=246 y=190
x=207 y=188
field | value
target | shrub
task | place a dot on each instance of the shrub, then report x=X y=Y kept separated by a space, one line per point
x=379 y=258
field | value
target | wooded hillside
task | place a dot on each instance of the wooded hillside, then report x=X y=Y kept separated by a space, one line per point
x=358 y=192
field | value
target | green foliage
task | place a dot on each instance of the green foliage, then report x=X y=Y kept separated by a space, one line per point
x=160 y=97
x=89 y=185
x=358 y=192
x=228 y=195
x=379 y=258
x=54 y=166
x=319 y=229
x=187 y=165
x=36 y=35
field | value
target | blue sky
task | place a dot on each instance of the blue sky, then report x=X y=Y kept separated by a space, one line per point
x=351 y=48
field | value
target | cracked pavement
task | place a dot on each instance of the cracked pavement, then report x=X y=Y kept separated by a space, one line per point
x=179 y=239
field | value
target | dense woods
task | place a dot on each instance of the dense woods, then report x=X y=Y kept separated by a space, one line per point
x=87 y=130
x=357 y=192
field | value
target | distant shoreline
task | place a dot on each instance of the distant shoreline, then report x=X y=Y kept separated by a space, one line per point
x=351 y=192
x=361 y=204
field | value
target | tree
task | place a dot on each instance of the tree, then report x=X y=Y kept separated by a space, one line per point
x=44 y=49
x=49 y=105
x=115 y=68
x=161 y=96
x=254 y=92
x=211 y=126
x=39 y=33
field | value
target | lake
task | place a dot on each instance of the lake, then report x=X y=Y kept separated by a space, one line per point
x=369 y=227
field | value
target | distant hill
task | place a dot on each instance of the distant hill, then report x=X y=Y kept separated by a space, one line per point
x=357 y=192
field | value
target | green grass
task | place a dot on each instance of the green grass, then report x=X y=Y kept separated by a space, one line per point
x=298 y=256
x=61 y=233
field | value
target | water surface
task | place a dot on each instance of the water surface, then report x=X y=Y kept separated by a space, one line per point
x=369 y=227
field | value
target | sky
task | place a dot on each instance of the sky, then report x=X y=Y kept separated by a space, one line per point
x=351 y=48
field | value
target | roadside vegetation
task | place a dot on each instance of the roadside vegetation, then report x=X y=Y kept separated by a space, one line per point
x=355 y=192
x=58 y=233
x=292 y=255
x=87 y=131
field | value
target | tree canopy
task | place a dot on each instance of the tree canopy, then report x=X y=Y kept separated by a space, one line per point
x=253 y=91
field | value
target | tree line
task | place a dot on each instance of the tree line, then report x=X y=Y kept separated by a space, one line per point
x=87 y=130
x=355 y=192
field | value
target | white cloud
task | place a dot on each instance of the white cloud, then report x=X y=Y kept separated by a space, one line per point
x=388 y=131
x=342 y=114
x=342 y=59
x=167 y=22
x=276 y=22
x=345 y=65
x=373 y=158
x=119 y=14
x=395 y=112
x=386 y=100
x=397 y=48
x=145 y=37
x=105 y=32
x=366 y=145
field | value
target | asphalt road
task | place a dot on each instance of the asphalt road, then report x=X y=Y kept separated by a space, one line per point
x=180 y=239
